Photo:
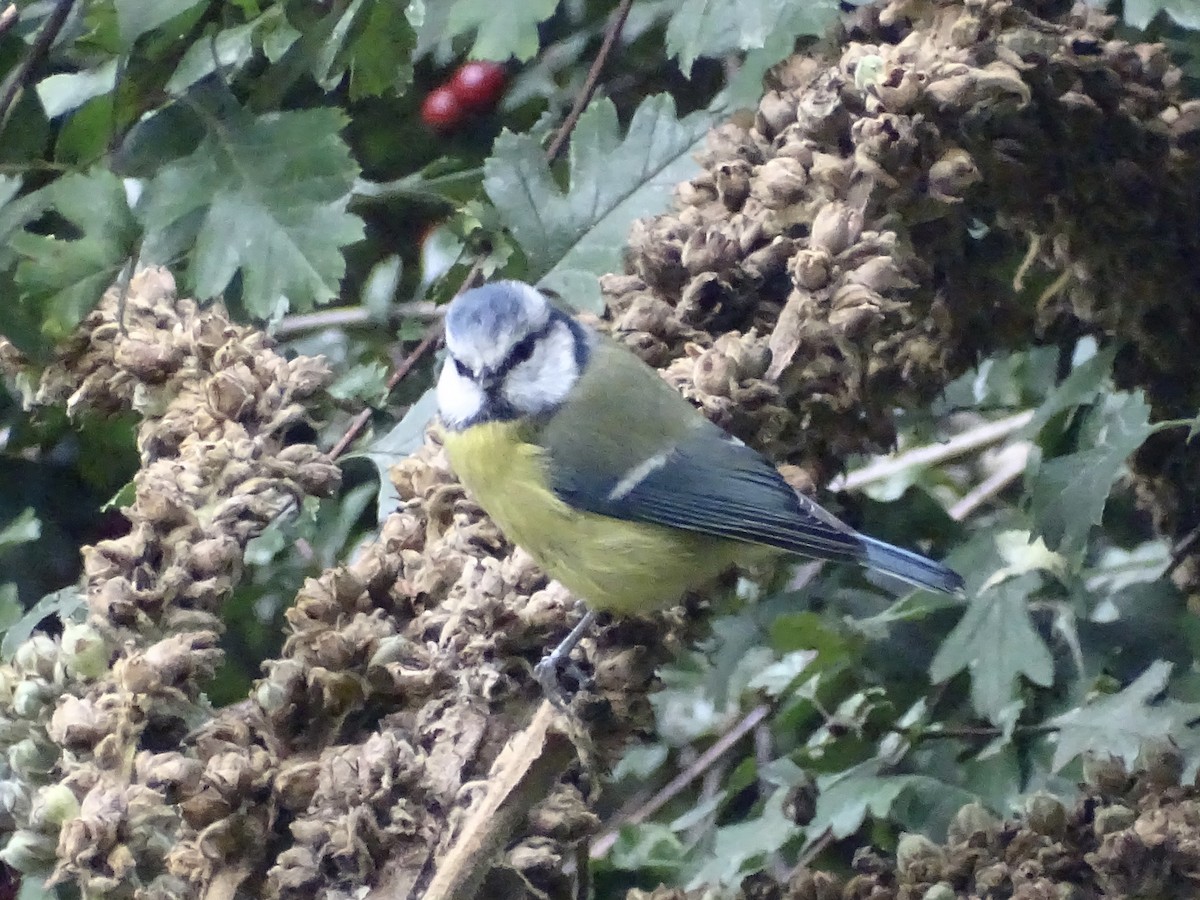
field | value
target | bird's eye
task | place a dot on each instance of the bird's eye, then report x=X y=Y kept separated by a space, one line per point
x=461 y=368
x=522 y=350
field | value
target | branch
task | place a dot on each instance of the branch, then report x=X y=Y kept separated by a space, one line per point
x=432 y=335
x=676 y=785
x=932 y=454
x=590 y=83
x=37 y=52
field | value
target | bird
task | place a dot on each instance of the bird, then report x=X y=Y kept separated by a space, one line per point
x=619 y=488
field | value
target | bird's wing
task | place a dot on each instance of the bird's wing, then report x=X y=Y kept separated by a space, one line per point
x=711 y=483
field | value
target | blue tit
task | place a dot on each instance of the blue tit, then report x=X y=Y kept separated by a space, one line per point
x=616 y=485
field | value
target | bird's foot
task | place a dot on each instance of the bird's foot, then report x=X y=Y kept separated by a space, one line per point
x=558 y=662
x=549 y=674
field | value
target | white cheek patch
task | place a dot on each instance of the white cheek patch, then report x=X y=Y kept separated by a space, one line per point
x=459 y=399
x=543 y=381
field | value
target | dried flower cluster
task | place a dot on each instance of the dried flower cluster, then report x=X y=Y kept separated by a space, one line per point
x=857 y=244
x=419 y=656
x=835 y=260
x=97 y=718
x=1129 y=835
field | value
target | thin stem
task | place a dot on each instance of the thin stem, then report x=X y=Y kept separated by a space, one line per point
x=37 y=52
x=676 y=785
x=8 y=18
x=932 y=454
x=351 y=316
x=428 y=342
x=591 y=82
x=1006 y=473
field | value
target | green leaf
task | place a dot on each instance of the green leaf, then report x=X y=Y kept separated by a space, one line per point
x=68 y=603
x=365 y=383
x=1139 y=13
x=62 y=274
x=66 y=91
x=24 y=528
x=995 y=642
x=381 y=53
x=398 y=443
x=262 y=196
x=1084 y=383
x=136 y=17
x=572 y=236
x=1068 y=493
x=747 y=844
x=846 y=798
x=1120 y=723
x=715 y=28
x=500 y=32
x=229 y=50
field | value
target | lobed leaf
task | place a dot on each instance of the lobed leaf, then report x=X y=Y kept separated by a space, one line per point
x=713 y=28
x=996 y=643
x=571 y=236
x=1120 y=723
x=1068 y=493
x=261 y=197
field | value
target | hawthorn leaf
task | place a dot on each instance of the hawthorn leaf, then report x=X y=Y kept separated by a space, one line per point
x=22 y=529
x=372 y=42
x=500 y=32
x=1139 y=13
x=66 y=91
x=746 y=842
x=1068 y=493
x=846 y=798
x=262 y=196
x=136 y=17
x=229 y=50
x=69 y=604
x=996 y=643
x=1084 y=383
x=572 y=236
x=63 y=273
x=381 y=53
x=1120 y=723
x=713 y=28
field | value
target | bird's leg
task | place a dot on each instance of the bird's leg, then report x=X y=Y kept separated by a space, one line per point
x=546 y=671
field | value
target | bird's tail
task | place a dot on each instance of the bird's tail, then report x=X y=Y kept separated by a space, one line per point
x=911 y=567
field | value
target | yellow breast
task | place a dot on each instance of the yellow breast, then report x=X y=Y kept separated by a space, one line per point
x=609 y=563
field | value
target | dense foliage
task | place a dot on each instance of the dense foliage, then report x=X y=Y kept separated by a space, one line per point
x=333 y=171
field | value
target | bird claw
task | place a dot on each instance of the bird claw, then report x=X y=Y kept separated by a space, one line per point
x=549 y=674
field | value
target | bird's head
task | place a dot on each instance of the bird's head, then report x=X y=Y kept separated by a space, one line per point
x=511 y=354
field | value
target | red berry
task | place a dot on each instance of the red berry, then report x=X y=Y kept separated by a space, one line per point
x=442 y=110
x=479 y=85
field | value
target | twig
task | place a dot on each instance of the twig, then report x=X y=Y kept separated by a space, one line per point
x=986 y=731
x=1181 y=549
x=349 y=316
x=428 y=342
x=1006 y=473
x=37 y=51
x=8 y=18
x=522 y=775
x=881 y=469
x=814 y=849
x=722 y=746
x=590 y=83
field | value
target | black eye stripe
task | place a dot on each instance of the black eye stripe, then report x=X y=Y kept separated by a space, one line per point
x=461 y=368
x=523 y=349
